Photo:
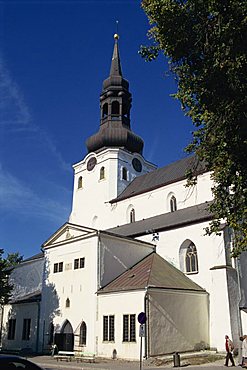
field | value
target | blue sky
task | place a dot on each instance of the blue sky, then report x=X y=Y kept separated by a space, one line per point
x=54 y=56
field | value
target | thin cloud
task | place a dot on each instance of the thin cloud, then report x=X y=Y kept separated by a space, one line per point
x=20 y=199
x=15 y=117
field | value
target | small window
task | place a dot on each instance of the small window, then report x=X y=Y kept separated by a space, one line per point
x=60 y=267
x=173 y=204
x=26 y=330
x=132 y=215
x=11 y=329
x=79 y=263
x=102 y=173
x=105 y=110
x=83 y=334
x=67 y=303
x=80 y=182
x=191 y=259
x=124 y=173
x=55 y=268
x=129 y=328
x=108 y=328
x=115 y=108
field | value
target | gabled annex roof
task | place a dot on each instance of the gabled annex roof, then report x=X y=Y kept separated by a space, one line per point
x=153 y=272
x=174 y=172
x=166 y=221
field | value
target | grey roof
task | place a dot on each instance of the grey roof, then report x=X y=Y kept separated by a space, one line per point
x=154 y=272
x=174 y=172
x=165 y=221
x=27 y=298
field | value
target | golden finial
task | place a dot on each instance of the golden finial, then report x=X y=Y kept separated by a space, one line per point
x=116 y=35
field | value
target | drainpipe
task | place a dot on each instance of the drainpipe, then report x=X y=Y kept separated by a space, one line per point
x=146 y=310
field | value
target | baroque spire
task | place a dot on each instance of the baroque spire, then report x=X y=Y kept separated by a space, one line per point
x=115 y=105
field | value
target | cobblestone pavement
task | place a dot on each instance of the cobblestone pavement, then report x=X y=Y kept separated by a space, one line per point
x=104 y=364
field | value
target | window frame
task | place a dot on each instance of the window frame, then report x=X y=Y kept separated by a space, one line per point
x=129 y=328
x=102 y=173
x=11 y=329
x=124 y=174
x=83 y=334
x=108 y=328
x=80 y=183
x=173 y=203
x=191 y=259
x=26 y=329
x=132 y=215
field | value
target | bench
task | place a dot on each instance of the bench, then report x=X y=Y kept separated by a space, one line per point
x=64 y=355
x=84 y=356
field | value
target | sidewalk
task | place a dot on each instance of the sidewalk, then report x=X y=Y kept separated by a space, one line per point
x=108 y=364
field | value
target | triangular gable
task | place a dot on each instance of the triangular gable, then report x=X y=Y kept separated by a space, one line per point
x=153 y=271
x=66 y=233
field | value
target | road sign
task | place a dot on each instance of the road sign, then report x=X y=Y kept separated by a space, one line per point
x=142 y=330
x=142 y=318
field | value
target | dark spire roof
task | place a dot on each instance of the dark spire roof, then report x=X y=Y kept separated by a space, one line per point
x=115 y=105
x=116 y=69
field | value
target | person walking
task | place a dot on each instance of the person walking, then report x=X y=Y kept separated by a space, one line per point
x=229 y=348
x=244 y=350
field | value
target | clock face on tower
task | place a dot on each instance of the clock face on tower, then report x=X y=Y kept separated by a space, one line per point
x=91 y=163
x=137 y=165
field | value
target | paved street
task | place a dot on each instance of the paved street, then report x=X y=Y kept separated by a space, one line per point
x=50 y=363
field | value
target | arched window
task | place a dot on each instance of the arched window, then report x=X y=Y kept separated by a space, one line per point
x=83 y=334
x=102 y=173
x=191 y=260
x=80 y=182
x=51 y=333
x=173 y=204
x=124 y=173
x=67 y=303
x=115 y=108
x=105 y=110
x=132 y=215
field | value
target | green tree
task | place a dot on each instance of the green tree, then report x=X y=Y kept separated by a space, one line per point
x=5 y=287
x=13 y=259
x=205 y=44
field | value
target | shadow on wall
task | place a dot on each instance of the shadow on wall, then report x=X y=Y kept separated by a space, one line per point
x=50 y=310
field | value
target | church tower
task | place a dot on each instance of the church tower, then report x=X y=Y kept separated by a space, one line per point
x=114 y=156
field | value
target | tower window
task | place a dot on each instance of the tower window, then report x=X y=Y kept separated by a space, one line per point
x=102 y=173
x=105 y=110
x=115 y=108
x=67 y=303
x=80 y=182
x=173 y=204
x=132 y=215
x=191 y=259
x=124 y=173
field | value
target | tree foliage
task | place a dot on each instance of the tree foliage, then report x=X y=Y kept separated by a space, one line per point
x=5 y=287
x=205 y=42
x=14 y=259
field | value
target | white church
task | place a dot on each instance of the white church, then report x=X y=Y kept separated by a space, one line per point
x=134 y=243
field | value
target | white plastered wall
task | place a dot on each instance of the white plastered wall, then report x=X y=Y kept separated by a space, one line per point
x=118 y=304
x=79 y=286
x=19 y=313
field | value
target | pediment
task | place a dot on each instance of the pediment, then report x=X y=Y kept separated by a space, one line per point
x=68 y=232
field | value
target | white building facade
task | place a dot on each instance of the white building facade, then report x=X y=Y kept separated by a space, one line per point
x=150 y=256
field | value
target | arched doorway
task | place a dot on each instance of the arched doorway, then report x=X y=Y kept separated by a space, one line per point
x=65 y=339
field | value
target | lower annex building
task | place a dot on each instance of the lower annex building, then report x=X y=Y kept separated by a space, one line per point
x=134 y=243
